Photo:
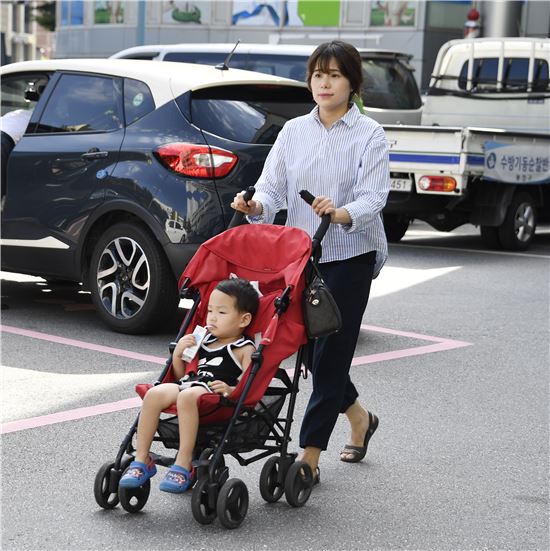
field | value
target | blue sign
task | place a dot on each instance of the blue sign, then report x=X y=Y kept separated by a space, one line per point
x=516 y=163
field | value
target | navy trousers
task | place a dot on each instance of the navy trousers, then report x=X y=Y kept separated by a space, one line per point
x=333 y=392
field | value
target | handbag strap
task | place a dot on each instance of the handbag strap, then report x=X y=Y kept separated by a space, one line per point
x=316 y=271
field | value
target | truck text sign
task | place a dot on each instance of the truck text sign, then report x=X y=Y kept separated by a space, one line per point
x=517 y=164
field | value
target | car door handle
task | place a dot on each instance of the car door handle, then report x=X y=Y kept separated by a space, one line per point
x=91 y=155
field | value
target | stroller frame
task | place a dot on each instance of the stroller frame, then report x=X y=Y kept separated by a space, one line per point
x=214 y=494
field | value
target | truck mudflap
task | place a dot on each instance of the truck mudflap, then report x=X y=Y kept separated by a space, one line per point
x=491 y=203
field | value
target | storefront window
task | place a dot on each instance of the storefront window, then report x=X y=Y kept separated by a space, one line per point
x=447 y=15
x=178 y=12
x=262 y=14
x=392 y=14
x=312 y=13
x=72 y=12
x=109 y=12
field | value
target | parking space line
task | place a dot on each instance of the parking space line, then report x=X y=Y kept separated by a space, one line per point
x=82 y=344
x=68 y=415
x=438 y=345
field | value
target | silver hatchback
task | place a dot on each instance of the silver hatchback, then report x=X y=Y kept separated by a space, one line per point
x=390 y=92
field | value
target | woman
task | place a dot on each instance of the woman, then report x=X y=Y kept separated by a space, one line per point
x=341 y=157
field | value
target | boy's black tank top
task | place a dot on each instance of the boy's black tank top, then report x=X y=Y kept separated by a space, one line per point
x=220 y=364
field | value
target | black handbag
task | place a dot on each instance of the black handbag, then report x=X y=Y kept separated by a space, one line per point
x=321 y=313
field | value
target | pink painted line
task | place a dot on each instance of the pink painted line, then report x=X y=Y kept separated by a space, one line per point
x=82 y=344
x=439 y=346
x=69 y=415
x=407 y=334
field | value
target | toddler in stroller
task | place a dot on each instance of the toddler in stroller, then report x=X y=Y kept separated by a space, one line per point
x=248 y=420
x=223 y=353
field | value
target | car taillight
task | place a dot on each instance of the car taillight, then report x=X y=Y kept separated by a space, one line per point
x=437 y=183
x=197 y=161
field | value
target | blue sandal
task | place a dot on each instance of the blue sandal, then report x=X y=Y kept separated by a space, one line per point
x=137 y=474
x=178 y=480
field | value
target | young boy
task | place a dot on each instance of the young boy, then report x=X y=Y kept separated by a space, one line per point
x=224 y=355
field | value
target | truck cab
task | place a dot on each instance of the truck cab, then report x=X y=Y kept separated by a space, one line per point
x=491 y=83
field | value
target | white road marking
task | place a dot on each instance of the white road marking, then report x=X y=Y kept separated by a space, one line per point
x=477 y=251
x=29 y=393
x=393 y=279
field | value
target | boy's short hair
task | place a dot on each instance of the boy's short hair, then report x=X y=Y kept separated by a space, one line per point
x=348 y=59
x=246 y=297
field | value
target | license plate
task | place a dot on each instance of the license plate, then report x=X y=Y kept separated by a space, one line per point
x=400 y=184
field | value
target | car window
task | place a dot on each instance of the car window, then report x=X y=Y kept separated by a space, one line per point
x=138 y=100
x=288 y=66
x=21 y=91
x=247 y=113
x=484 y=74
x=83 y=103
x=142 y=55
x=238 y=61
x=388 y=84
x=541 y=81
x=516 y=72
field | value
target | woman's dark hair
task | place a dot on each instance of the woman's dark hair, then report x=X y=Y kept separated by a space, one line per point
x=347 y=57
x=246 y=297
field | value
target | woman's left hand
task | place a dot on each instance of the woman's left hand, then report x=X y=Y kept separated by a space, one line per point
x=323 y=205
x=219 y=387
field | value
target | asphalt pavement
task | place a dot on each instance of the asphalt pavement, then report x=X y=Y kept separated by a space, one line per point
x=453 y=358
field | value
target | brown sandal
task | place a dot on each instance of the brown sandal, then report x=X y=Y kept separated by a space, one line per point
x=359 y=452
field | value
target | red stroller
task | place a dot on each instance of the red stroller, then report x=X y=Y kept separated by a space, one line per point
x=249 y=421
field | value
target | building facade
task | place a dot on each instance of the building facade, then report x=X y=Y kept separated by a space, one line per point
x=21 y=36
x=93 y=28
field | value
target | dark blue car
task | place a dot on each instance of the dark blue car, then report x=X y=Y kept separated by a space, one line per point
x=126 y=167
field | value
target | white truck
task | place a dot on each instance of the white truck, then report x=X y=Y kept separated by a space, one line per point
x=482 y=153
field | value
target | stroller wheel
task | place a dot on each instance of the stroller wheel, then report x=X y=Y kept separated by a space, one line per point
x=232 y=503
x=134 y=499
x=298 y=484
x=203 y=501
x=102 y=493
x=270 y=489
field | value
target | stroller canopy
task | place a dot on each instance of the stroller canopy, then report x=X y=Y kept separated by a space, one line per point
x=257 y=252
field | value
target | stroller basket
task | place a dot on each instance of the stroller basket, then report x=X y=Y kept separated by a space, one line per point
x=251 y=430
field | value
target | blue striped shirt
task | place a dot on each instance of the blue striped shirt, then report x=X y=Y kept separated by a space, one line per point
x=349 y=163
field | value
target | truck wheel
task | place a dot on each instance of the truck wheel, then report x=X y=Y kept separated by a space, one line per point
x=132 y=285
x=395 y=226
x=518 y=229
x=489 y=237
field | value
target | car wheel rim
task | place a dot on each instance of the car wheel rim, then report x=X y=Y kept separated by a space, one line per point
x=525 y=222
x=123 y=278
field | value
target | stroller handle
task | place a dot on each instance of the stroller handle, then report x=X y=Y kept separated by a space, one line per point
x=238 y=216
x=323 y=226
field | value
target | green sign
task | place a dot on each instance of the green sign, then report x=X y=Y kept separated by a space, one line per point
x=319 y=13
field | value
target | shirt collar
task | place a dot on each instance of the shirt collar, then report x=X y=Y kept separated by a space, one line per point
x=349 y=119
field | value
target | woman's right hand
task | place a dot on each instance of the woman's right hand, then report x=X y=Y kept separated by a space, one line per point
x=252 y=208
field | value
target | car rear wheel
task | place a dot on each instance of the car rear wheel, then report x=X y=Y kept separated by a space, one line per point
x=131 y=282
x=518 y=229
